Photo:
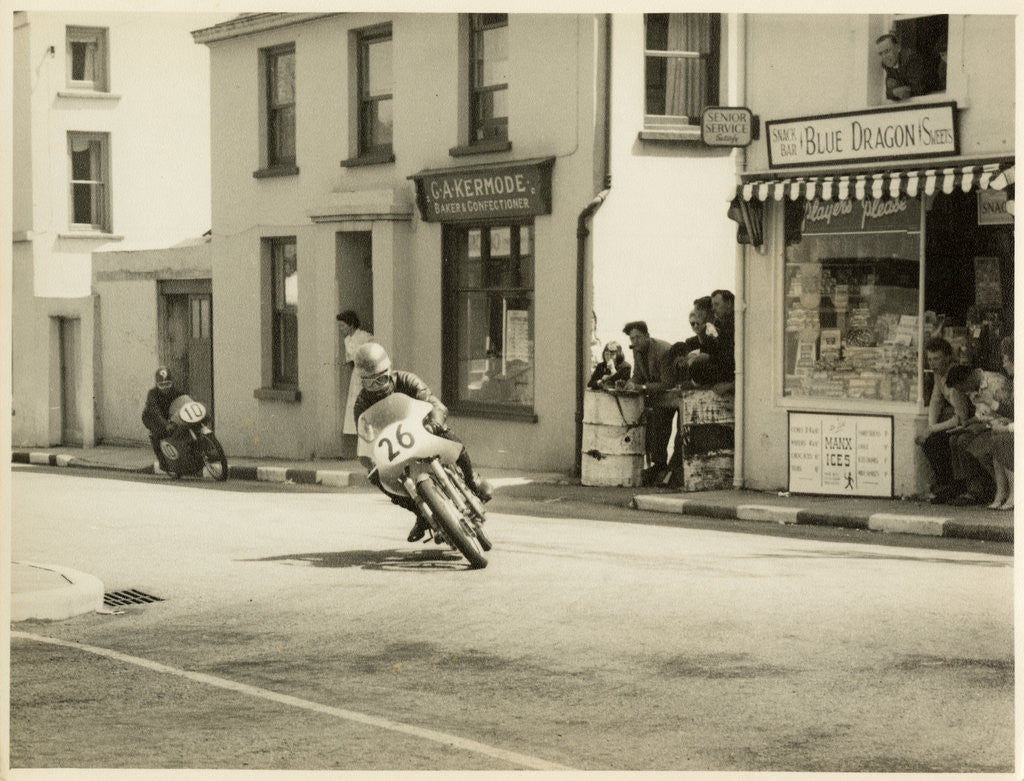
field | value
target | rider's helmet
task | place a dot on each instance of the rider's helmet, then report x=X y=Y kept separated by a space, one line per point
x=163 y=378
x=373 y=366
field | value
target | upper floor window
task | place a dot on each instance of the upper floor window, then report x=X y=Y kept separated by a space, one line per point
x=284 y=293
x=488 y=58
x=376 y=83
x=681 y=73
x=88 y=157
x=279 y=75
x=87 y=58
x=913 y=55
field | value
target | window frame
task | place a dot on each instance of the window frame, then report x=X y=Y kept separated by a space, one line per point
x=956 y=75
x=282 y=314
x=667 y=126
x=366 y=104
x=274 y=162
x=102 y=203
x=477 y=27
x=453 y=292
x=98 y=37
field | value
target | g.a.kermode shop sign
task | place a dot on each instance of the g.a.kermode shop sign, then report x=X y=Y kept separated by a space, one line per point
x=503 y=190
x=902 y=132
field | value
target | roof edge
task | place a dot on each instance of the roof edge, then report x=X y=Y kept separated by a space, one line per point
x=249 y=24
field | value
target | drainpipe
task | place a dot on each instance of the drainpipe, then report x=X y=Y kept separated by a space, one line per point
x=582 y=232
x=739 y=46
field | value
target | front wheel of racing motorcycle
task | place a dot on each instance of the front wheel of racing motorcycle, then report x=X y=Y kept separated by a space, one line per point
x=452 y=524
x=214 y=460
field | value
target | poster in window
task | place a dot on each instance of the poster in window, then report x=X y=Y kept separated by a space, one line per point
x=525 y=241
x=474 y=243
x=988 y=293
x=517 y=335
x=501 y=242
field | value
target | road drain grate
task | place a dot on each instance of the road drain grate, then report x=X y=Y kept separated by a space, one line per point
x=128 y=597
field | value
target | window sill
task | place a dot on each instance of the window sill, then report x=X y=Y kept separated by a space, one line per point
x=277 y=170
x=375 y=158
x=676 y=134
x=88 y=94
x=470 y=409
x=482 y=148
x=278 y=394
x=91 y=235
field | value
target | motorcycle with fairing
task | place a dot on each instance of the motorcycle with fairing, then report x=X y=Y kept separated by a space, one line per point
x=190 y=448
x=411 y=461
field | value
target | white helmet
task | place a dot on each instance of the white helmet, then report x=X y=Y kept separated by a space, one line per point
x=371 y=359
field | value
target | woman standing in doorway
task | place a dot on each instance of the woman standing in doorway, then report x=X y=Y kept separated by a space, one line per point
x=354 y=337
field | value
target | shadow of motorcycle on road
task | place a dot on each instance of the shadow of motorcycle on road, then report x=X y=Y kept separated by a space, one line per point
x=427 y=559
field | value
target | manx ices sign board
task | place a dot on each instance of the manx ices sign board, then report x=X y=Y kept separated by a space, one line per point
x=862 y=136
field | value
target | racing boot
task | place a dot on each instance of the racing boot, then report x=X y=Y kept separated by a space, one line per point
x=474 y=482
x=419 y=529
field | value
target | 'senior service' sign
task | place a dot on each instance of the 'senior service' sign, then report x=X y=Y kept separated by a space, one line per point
x=903 y=132
x=845 y=455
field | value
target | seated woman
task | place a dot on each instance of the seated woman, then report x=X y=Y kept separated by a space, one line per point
x=975 y=443
x=613 y=368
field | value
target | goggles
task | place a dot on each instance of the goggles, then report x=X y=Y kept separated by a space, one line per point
x=165 y=385
x=377 y=382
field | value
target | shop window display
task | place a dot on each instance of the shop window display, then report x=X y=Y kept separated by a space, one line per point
x=852 y=293
x=489 y=272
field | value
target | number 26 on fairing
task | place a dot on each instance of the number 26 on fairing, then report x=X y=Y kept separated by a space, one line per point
x=404 y=439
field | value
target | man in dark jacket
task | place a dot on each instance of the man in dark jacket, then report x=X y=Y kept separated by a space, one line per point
x=651 y=377
x=157 y=411
x=906 y=72
x=379 y=380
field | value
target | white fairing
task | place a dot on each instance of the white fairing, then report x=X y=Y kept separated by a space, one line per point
x=184 y=409
x=394 y=427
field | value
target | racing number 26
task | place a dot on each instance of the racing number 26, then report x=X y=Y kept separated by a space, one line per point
x=404 y=439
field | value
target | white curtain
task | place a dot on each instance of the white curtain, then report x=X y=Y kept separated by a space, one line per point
x=686 y=78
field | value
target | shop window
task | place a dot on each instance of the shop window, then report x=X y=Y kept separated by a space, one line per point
x=489 y=318
x=488 y=58
x=284 y=297
x=918 y=48
x=88 y=157
x=87 y=58
x=376 y=84
x=279 y=83
x=681 y=67
x=852 y=300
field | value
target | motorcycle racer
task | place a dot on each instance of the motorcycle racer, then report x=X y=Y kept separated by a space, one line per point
x=379 y=380
x=157 y=411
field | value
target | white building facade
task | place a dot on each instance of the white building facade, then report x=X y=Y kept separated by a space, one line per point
x=111 y=151
x=446 y=177
x=881 y=222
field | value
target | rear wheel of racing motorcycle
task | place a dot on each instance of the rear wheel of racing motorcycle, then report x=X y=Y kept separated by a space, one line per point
x=214 y=460
x=450 y=520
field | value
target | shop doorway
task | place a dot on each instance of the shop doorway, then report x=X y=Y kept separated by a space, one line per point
x=186 y=336
x=69 y=369
x=354 y=276
x=969 y=275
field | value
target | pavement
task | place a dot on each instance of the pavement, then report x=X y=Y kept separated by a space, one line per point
x=52 y=592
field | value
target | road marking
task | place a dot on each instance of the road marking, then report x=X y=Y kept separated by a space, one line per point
x=297 y=702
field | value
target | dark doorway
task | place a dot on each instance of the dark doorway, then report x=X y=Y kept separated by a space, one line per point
x=69 y=338
x=186 y=336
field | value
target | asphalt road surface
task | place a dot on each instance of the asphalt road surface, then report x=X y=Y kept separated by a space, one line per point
x=299 y=631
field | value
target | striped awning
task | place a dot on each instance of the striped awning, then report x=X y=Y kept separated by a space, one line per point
x=881 y=183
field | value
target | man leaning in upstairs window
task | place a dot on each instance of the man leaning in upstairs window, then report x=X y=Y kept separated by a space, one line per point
x=906 y=72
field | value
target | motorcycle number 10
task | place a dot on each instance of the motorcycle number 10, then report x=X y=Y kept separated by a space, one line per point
x=404 y=440
x=192 y=413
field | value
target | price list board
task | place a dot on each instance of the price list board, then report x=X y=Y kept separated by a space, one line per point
x=839 y=454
